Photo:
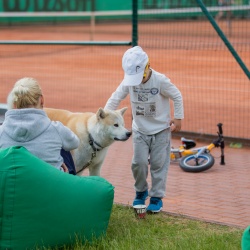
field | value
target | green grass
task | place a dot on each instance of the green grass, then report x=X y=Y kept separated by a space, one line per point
x=162 y=231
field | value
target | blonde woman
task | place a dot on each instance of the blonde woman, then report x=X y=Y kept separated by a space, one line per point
x=26 y=124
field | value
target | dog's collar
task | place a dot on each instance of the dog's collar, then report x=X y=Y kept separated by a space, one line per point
x=93 y=143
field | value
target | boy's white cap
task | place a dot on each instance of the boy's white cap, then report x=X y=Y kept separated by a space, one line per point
x=134 y=62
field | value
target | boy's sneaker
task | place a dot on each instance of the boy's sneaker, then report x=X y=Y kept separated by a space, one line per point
x=155 y=205
x=140 y=198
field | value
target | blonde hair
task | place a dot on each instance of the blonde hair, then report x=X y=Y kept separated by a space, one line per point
x=25 y=94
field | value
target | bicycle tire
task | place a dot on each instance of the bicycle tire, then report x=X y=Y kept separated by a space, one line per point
x=189 y=164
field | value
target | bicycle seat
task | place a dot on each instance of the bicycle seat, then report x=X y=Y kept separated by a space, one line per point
x=188 y=143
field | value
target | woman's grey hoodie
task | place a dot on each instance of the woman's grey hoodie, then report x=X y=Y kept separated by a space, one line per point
x=32 y=129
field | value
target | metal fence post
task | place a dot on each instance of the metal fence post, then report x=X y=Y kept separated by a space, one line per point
x=135 y=23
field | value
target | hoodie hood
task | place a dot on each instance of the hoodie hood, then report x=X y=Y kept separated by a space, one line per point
x=23 y=125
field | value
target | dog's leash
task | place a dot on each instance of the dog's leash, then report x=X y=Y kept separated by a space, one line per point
x=92 y=143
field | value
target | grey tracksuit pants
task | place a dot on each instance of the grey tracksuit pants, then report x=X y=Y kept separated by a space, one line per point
x=156 y=146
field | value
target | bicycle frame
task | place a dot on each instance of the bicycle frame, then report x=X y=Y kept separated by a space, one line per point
x=177 y=153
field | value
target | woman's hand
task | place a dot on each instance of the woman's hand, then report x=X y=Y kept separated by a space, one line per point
x=65 y=169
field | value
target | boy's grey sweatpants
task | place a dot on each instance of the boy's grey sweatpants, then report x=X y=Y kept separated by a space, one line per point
x=158 y=147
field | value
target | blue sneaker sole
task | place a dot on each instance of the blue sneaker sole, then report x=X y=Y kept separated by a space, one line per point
x=154 y=211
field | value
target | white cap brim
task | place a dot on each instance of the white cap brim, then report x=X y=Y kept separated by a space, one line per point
x=133 y=80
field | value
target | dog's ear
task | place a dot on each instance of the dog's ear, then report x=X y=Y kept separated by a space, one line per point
x=122 y=111
x=101 y=113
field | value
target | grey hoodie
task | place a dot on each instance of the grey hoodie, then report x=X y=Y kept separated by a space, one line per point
x=32 y=129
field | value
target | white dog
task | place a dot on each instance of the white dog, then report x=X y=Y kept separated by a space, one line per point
x=96 y=133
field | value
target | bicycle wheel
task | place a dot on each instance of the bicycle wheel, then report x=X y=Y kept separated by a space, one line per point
x=191 y=164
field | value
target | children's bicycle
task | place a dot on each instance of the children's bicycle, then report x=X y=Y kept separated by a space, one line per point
x=198 y=159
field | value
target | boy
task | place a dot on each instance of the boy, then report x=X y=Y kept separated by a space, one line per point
x=150 y=94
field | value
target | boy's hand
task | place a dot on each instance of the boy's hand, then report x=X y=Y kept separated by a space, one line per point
x=175 y=125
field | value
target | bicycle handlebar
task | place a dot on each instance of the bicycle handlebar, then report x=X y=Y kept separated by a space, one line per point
x=220 y=128
x=221 y=143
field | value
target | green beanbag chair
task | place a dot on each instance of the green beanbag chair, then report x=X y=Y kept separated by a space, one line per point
x=245 y=242
x=43 y=207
